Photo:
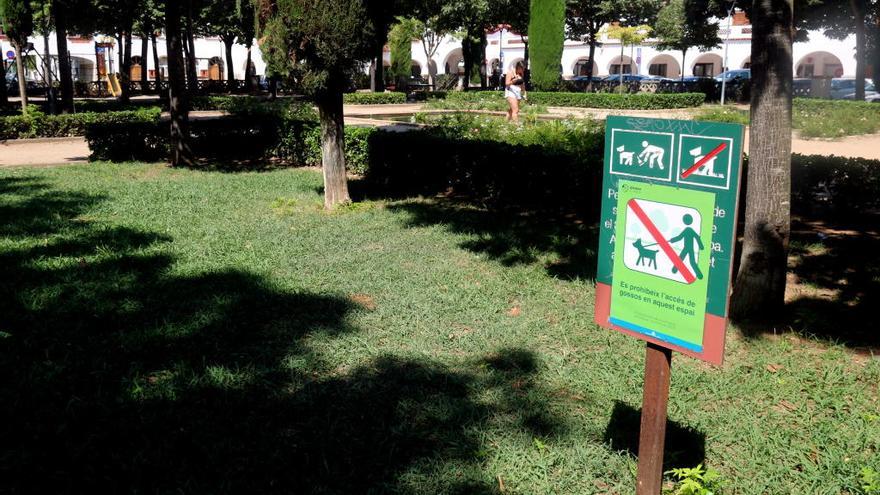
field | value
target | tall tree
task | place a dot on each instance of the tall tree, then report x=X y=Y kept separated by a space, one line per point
x=586 y=19
x=628 y=36
x=682 y=25
x=230 y=24
x=839 y=19
x=401 y=38
x=325 y=43
x=759 y=291
x=547 y=37
x=178 y=103
x=470 y=19
x=430 y=35
x=18 y=24
x=70 y=16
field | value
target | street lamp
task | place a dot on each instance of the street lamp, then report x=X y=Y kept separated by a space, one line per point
x=726 y=43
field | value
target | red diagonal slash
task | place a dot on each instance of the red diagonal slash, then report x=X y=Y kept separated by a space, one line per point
x=663 y=243
x=712 y=154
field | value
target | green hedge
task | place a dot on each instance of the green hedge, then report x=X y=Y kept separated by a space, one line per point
x=635 y=101
x=374 y=98
x=36 y=124
x=553 y=164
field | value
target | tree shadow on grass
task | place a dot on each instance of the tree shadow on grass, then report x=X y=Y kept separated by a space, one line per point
x=834 y=282
x=122 y=375
x=684 y=447
x=563 y=243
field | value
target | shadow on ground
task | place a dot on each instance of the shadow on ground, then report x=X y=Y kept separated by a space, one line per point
x=121 y=376
x=564 y=244
x=833 y=283
x=684 y=446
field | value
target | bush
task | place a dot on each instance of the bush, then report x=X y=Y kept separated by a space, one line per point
x=546 y=40
x=374 y=98
x=637 y=101
x=37 y=124
x=834 y=185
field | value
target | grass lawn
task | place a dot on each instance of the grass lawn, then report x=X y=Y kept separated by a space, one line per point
x=192 y=332
x=812 y=118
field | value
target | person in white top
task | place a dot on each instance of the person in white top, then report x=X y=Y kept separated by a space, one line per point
x=514 y=91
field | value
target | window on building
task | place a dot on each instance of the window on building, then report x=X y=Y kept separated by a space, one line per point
x=806 y=70
x=582 y=67
x=657 y=70
x=704 y=70
x=833 y=70
x=616 y=69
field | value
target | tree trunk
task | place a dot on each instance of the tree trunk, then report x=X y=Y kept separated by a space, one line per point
x=683 y=59
x=192 y=72
x=22 y=84
x=248 y=69
x=65 y=73
x=377 y=80
x=230 y=69
x=858 y=8
x=125 y=67
x=47 y=75
x=177 y=94
x=158 y=77
x=759 y=291
x=4 y=96
x=527 y=73
x=145 y=49
x=333 y=148
x=467 y=53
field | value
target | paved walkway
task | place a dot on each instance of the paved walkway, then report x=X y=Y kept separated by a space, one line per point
x=59 y=151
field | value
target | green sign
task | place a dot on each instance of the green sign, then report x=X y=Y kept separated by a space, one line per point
x=670 y=191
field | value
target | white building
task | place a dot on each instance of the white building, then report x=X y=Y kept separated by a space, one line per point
x=818 y=57
x=92 y=57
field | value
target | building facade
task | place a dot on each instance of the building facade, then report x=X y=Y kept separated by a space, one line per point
x=92 y=58
x=818 y=57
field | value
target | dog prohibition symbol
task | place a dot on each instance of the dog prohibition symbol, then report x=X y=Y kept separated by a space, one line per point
x=646 y=255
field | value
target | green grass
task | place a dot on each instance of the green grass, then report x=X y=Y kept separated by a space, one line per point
x=812 y=118
x=179 y=331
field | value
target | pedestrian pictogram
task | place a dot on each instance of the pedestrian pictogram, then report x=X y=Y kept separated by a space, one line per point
x=672 y=231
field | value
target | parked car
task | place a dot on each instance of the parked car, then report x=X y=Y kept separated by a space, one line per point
x=627 y=78
x=844 y=88
x=734 y=76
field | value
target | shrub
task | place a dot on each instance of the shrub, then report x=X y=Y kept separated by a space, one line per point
x=835 y=185
x=37 y=124
x=546 y=40
x=374 y=98
x=637 y=101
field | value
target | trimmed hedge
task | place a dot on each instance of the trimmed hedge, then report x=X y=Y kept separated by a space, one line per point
x=37 y=124
x=635 y=101
x=555 y=164
x=374 y=98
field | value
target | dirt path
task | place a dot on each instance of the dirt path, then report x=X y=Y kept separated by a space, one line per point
x=45 y=151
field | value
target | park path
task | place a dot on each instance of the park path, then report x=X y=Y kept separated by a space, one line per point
x=60 y=151
x=43 y=151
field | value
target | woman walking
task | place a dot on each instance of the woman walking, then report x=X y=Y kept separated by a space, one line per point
x=515 y=91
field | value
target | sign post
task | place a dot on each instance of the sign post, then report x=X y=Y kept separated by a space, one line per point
x=667 y=235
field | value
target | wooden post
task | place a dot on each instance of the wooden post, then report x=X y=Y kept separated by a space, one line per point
x=658 y=362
